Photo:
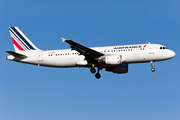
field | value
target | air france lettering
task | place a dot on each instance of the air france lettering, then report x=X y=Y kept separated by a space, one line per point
x=128 y=47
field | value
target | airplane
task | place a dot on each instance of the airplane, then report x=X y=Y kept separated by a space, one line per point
x=113 y=58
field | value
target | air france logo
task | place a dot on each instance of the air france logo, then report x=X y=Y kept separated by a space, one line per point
x=130 y=47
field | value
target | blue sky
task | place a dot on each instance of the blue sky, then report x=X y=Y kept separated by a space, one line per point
x=32 y=93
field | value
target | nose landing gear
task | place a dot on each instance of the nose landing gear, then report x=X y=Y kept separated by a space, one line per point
x=152 y=68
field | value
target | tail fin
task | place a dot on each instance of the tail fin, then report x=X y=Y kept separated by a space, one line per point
x=20 y=41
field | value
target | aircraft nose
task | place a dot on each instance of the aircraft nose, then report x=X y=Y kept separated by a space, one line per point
x=172 y=54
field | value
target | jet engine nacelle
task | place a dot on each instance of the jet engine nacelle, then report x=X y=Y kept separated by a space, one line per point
x=119 y=69
x=114 y=59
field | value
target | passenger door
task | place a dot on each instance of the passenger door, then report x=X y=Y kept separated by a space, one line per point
x=151 y=49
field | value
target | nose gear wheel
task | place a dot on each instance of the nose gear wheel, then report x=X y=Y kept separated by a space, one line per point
x=152 y=68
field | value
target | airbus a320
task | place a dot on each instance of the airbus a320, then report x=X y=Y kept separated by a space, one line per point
x=113 y=58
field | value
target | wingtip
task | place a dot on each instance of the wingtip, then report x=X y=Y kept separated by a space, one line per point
x=63 y=40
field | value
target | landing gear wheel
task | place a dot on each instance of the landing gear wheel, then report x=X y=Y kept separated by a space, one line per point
x=93 y=70
x=97 y=75
x=152 y=69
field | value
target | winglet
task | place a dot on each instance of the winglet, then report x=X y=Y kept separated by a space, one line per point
x=63 y=40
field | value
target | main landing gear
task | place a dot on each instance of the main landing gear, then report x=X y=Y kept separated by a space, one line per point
x=93 y=70
x=152 y=68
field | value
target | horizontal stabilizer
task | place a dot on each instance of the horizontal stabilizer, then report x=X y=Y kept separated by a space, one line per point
x=16 y=54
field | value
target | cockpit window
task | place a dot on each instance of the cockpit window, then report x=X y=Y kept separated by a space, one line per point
x=163 y=48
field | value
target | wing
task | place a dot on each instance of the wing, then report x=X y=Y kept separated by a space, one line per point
x=87 y=52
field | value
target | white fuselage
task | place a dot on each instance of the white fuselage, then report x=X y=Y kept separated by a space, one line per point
x=112 y=58
x=138 y=53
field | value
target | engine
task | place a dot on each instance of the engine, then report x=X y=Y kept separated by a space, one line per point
x=114 y=59
x=119 y=69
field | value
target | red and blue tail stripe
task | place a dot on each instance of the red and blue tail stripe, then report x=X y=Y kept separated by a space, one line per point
x=20 y=41
x=17 y=45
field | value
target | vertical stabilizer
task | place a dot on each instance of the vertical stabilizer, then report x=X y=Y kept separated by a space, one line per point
x=20 y=41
